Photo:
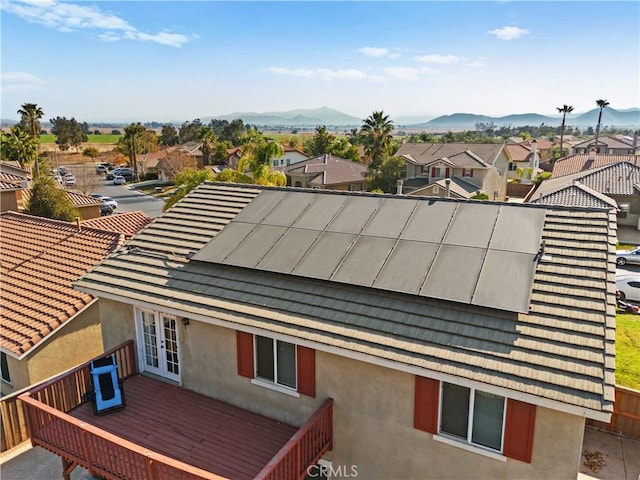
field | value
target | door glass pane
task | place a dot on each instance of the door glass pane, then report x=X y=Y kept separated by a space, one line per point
x=150 y=338
x=455 y=410
x=264 y=358
x=488 y=410
x=171 y=345
x=286 y=364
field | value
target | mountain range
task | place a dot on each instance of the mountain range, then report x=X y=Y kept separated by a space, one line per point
x=624 y=118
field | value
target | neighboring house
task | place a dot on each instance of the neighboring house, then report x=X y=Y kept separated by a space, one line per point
x=454 y=337
x=327 y=172
x=87 y=206
x=291 y=156
x=581 y=162
x=606 y=144
x=193 y=149
x=454 y=187
x=233 y=156
x=13 y=172
x=11 y=193
x=127 y=223
x=577 y=195
x=522 y=158
x=484 y=165
x=47 y=326
x=618 y=181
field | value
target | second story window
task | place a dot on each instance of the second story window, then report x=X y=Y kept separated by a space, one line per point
x=6 y=377
x=276 y=361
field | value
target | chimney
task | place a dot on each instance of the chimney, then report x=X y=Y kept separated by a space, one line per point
x=447 y=188
x=535 y=161
x=592 y=154
x=78 y=223
x=399 y=186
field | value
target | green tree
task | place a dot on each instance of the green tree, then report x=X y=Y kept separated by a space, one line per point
x=386 y=176
x=19 y=146
x=563 y=110
x=321 y=142
x=50 y=201
x=136 y=140
x=354 y=136
x=168 y=135
x=31 y=114
x=91 y=152
x=208 y=139
x=377 y=137
x=186 y=180
x=68 y=133
x=601 y=105
x=257 y=155
x=189 y=131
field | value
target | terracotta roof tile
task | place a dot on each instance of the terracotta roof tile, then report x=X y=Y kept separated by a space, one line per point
x=128 y=223
x=39 y=261
x=580 y=162
x=77 y=199
x=518 y=152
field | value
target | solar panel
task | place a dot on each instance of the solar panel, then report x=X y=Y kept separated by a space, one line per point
x=471 y=252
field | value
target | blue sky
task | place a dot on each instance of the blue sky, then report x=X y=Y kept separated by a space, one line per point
x=176 y=61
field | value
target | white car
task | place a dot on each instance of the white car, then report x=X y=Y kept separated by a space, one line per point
x=110 y=201
x=69 y=179
x=119 y=180
x=628 y=256
x=629 y=286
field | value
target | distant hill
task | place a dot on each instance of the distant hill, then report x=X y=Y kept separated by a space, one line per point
x=300 y=117
x=6 y=123
x=610 y=117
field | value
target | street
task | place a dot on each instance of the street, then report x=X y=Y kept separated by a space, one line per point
x=131 y=200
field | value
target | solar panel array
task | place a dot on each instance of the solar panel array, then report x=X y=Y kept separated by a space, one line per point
x=478 y=253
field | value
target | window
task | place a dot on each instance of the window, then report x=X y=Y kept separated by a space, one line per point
x=467 y=173
x=513 y=167
x=472 y=415
x=437 y=172
x=276 y=361
x=5 y=367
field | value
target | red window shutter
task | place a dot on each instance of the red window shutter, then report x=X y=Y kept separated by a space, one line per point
x=306 y=371
x=244 y=343
x=518 y=430
x=464 y=171
x=433 y=171
x=471 y=173
x=446 y=172
x=425 y=408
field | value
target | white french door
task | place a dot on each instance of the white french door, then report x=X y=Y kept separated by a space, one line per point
x=158 y=344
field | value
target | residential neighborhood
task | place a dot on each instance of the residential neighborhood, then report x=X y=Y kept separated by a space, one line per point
x=319 y=240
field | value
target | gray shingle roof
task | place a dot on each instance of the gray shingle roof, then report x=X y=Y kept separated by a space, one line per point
x=562 y=350
x=327 y=170
x=577 y=195
x=580 y=162
x=458 y=186
x=426 y=153
x=609 y=141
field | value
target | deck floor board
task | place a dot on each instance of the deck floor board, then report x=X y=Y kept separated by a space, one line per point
x=192 y=428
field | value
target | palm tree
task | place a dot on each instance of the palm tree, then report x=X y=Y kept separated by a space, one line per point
x=377 y=136
x=208 y=138
x=563 y=110
x=19 y=146
x=601 y=104
x=31 y=114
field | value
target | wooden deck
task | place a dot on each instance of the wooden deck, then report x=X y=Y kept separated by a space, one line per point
x=192 y=428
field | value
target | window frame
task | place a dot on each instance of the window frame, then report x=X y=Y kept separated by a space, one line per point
x=468 y=440
x=274 y=382
x=4 y=360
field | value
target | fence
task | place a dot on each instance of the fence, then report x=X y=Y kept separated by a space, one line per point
x=625 y=419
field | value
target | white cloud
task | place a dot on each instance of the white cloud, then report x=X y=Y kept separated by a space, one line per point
x=479 y=62
x=323 y=73
x=441 y=59
x=509 y=33
x=379 y=52
x=69 y=17
x=407 y=73
x=20 y=81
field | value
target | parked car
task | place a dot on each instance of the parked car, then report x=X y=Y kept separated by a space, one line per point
x=101 y=169
x=62 y=170
x=110 y=175
x=69 y=179
x=628 y=256
x=96 y=195
x=110 y=201
x=105 y=209
x=629 y=287
x=119 y=180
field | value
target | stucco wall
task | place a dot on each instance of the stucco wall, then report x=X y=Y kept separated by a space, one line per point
x=75 y=343
x=19 y=373
x=9 y=201
x=373 y=416
x=118 y=325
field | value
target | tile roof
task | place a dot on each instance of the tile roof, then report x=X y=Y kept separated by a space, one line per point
x=579 y=162
x=21 y=173
x=620 y=178
x=39 y=260
x=562 y=350
x=577 y=195
x=518 y=152
x=328 y=170
x=127 y=223
x=459 y=187
x=5 y=185
x=10 y=177
x=77 y=199
x=425 y=153
x=609 y=141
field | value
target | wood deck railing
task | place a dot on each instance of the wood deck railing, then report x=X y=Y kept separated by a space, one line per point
x=304 y=449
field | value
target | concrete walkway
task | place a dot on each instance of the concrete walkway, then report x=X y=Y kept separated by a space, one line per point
x=609 y=457
x=25 y=462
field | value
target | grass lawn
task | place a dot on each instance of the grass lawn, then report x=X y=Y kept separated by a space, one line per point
x=628 y=350
x=107 y=138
